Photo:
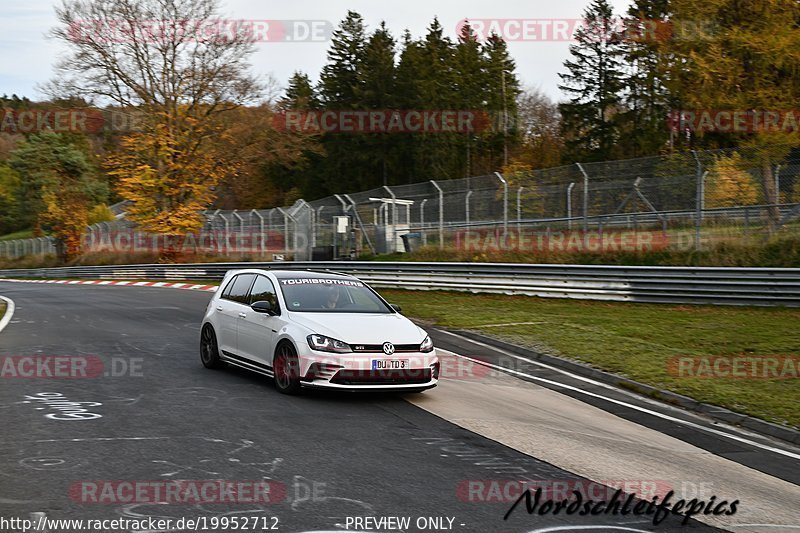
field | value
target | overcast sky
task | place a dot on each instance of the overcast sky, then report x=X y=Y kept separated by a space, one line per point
x=26 y=56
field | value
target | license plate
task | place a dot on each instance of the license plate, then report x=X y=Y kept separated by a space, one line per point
x=389 y=364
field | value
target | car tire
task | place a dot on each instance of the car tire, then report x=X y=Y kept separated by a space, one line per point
x=209 y=349
x=286 y=368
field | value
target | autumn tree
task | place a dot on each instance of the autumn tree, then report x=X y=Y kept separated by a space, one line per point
x=159 y=58
x=60 y=185
x=746 y=61
x=729 y=184
x=9 y=212
x=539 y=124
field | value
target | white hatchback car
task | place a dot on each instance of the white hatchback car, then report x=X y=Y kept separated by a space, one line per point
x=315 y=329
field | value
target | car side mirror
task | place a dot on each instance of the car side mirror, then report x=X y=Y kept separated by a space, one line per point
x=396 y=307
x=263 y=306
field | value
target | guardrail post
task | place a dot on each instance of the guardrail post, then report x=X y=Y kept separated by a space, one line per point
x=505 y=207
x=441 y=214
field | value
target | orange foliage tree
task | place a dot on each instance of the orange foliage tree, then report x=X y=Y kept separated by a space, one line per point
x=729 y=184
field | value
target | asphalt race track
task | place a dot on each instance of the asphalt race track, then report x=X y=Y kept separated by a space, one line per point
x=328 y=458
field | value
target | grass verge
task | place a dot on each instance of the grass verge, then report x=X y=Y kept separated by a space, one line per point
x=779 y=252
x=635 y=340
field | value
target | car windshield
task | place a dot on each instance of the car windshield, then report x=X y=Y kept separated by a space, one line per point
x=330 y=295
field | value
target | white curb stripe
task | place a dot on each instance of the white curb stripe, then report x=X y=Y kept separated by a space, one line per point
x=8 y=314
x=158 y=284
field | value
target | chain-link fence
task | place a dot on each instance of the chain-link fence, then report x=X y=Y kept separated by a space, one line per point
x=685 y=200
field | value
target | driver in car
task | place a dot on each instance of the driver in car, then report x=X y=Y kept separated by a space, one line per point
x=333 y=298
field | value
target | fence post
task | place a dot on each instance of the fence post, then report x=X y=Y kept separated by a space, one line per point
x=286 y=217
x=505 y=206
x=394 y=218
x=466 y=206
x=318 y=223
x=260 y=228
x=241 y=230
x=569 y=205
x=441 y=214
x=227 y=233
x=519 y=208
x=698 y=215
x=585 y=206
x=422 y=221
x=357 y=218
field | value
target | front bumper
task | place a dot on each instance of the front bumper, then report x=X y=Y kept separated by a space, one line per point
x=356 y=372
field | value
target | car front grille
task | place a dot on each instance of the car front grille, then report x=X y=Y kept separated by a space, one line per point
x=378 y=348
x=411 y=376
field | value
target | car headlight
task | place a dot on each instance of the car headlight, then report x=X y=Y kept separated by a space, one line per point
x=427 y=345
x=327 y=344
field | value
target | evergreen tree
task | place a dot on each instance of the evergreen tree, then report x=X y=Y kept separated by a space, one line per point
x=593 y=81
x=438 y=155
x=299 y=94
x=339 y=82
x=471 y=80
x=377 y=77
x=408 y=95
x=647 y=100
x=340 y=89
x=502 y=91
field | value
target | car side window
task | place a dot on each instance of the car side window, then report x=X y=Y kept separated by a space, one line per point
x=239 y=288
x=263 y=290
x=227 y=292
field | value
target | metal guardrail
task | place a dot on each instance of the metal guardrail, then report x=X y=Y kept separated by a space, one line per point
x=684 y=285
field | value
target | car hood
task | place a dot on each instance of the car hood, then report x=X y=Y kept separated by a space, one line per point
x=362 y=328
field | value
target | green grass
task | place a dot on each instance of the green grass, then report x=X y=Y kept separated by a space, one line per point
x=635 y=340
x=2 y=309
x=23 y=234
